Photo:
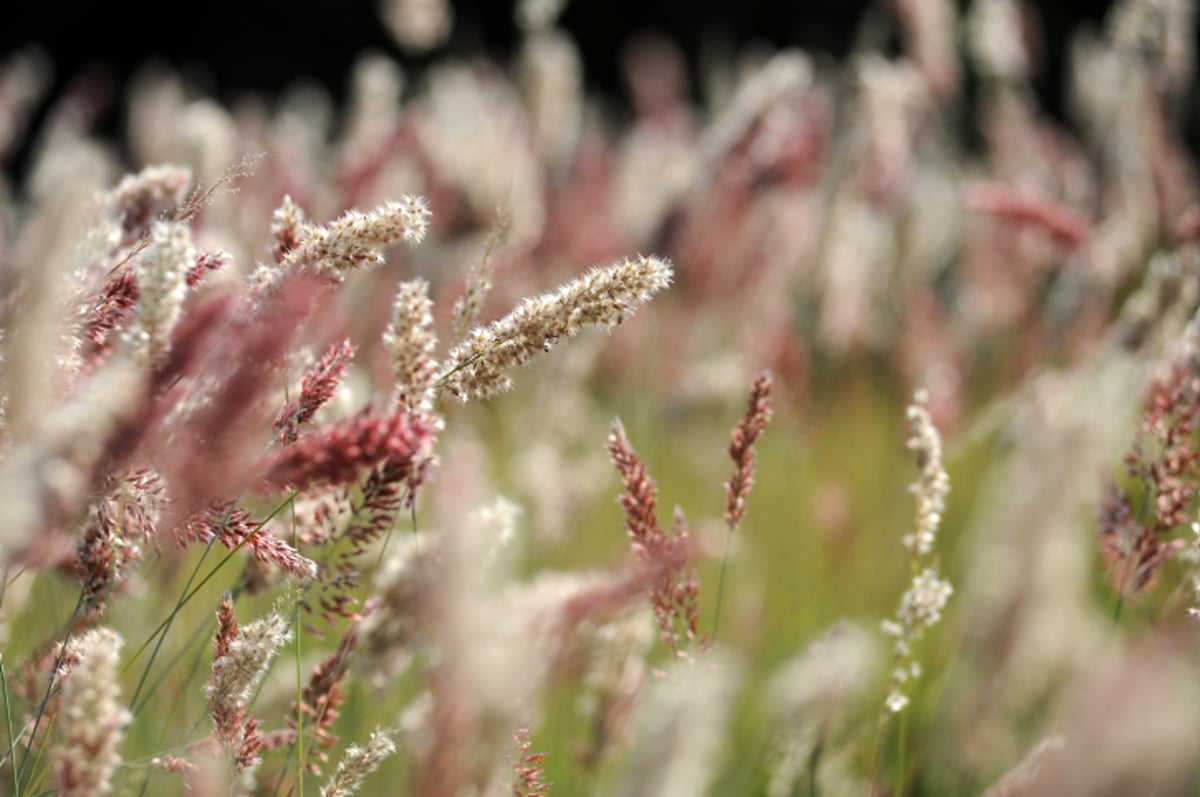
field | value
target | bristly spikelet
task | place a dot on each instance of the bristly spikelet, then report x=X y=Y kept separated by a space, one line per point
x=411 y=342
x=476 y=368
x=354 y=240
x=162 y=284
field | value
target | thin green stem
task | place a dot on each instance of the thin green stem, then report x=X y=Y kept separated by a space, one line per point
x=167 y=721
x=8 y=724
x=163 y=627
x=36 y=780
x=201 y=630
x=721 y=582
x=884 y=712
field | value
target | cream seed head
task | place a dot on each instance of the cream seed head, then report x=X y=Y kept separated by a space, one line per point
x=477 y=367
x=355 y=240
x=921 y=605
x=93 y=716
x=287 y=223
x=932 y=484
x=358 y=763
x=235 y=674
x=162 y=284
x=411 y=342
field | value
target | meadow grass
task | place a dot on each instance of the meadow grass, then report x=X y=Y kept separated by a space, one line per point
x=354 y=465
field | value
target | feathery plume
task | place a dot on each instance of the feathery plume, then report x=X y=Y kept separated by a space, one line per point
x=368 y=515
x=118 y=297
x=128 y=210
x=358 y=763
x=391 y=628
x=476 y=368
x=321 y=700
x=807 y=696
x=681 y=723
x=674 y=595
x=287 y=229
x=921 y=605
x=241 y=660
x=355 y=240
x=338 y=454
x=479 y=279
x=552 y=79
x=787 y=73
x=528 y=777
x=741 y=449
x=206 y=263
x=118 y=525
x=235 y=527
x=929 y=28
x=173 y=765
x=162 y=274
x=933 y=484
x=45 y=478
x=114 y=302
x=317 y=388
x=1165 y=462
x=614 y=679
x=411 y=343
x=92 y=715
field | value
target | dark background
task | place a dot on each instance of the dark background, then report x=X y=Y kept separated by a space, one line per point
x=262 y=46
